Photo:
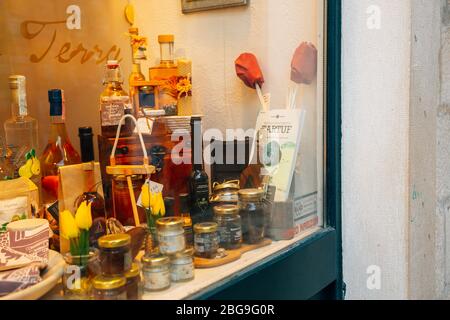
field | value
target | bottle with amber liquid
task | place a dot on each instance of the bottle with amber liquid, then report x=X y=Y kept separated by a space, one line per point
x=167 y=72
x=114 y=103
x=59 y=150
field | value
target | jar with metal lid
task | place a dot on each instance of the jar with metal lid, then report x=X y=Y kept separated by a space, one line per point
x=115 y=253
x=109 y=288
x=206 y=240
x=170 y=235
x=229 y=226
x=133 y=277
x=156 y=271
x=182 y=266
x=225 y=193
x=252 y=212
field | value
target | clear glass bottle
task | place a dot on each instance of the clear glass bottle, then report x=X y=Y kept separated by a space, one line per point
x=114 y=103
x=59 y=150
x=21 y=130
x=167 y=72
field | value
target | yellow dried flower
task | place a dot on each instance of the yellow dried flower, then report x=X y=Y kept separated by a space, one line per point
x=68 y=226
x=83 y=217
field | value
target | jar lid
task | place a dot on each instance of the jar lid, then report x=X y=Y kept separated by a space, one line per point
x=251 y=194
x=205 y=227
x=114 y=240
x=155 y=260
x=170 y=223
x=164 y=38
x=233 y=184
x=226 y=209
x=133 y=272
x=108 y=283
x=188 y=252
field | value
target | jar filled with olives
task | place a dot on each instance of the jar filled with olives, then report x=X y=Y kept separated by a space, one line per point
x=115 y=254
x=206 y=240
x=229 y=226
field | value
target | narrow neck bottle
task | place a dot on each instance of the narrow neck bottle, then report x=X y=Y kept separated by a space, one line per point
x=86 y=144
x=196 y=144
x=18 y=96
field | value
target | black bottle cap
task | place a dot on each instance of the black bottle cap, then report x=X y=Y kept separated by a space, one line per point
x=55 y=99
x=86 y=144
x=85 y=131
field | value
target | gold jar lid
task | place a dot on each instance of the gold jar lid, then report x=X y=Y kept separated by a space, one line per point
x=133 y=272
x=205 y=227
x=114 y=240
x=155 y=260
x=170 y=223
x=233 y=184
x=226 y=210
x=251 y=194
x=165 y=38
x=188 y=252
x=108 y=283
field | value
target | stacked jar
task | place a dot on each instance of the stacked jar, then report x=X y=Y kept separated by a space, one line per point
x=206 y=240
x=229 y=226
x=118 y=274
x=174 y=262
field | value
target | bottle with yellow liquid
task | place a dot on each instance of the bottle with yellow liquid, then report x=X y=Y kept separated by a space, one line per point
x=167 y=73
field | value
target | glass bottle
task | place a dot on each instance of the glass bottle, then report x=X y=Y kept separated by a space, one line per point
x=92 y=196
x=114 y=103
x=185 y=214
x=59 y=150
x=21 y=130
x=6 y=168
x=167 y=73
x=136 y=73
x=198 y=181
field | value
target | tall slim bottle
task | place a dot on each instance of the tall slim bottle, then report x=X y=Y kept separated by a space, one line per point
x=59 y=150
x=198 y=181
x=21 y=130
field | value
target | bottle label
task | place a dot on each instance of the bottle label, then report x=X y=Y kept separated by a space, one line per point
x=112 y=109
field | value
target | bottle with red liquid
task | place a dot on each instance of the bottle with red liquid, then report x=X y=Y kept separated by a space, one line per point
x=59 y=150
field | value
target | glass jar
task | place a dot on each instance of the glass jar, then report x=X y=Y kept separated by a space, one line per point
x=225 y=193
x=78 y=273
x=229 y=226
x=182 y=266
x=109 y=288
x=133 y=277
x=115 y=254
x=123 y=210
x=251 y=210
x=170 y=235
x=206 y=240
x=156 y=270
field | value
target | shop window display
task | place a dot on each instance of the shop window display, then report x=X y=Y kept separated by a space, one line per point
x=144 y=114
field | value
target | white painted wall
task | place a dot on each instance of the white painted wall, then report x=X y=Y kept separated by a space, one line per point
x=375 y=111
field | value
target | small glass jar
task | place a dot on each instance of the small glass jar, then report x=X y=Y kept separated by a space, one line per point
x=109 y=288
x=79 y=271
x=170 y=235
x=133 y=277
x=229 y=226
x=251 y=210
x=225 y=193
x=156 y=270
x=206 y=240
x=182 y=266
x=115 y=254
